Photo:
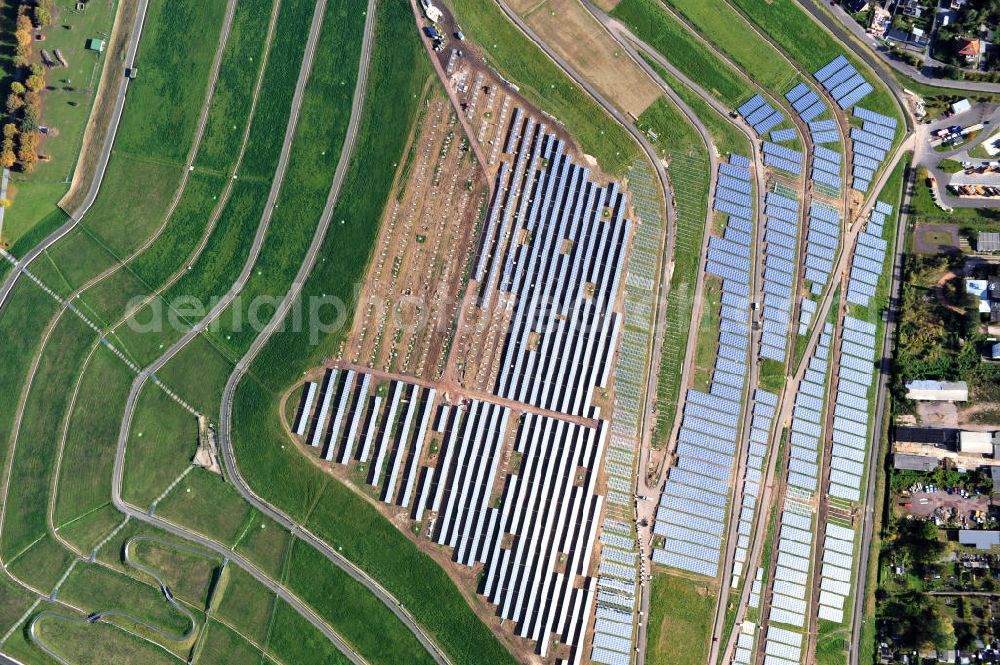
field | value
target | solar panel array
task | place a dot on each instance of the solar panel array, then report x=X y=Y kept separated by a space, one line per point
x=871 y=144
x=781 y=214
x=745 y=642
x=640 y=272
x=851 y=413
x=806 y=311
x=837 y=570
x=305 y=407
x=764 y=404
x=825 y=175
x=868 y=261
x=805 y=101
x=843 y=82
x=808 y=418
x=562 y=285
x=782 y=157
x=548 y=506
x=760 y=115
x=691 y=515
x=790 y=592
x=614 y=627
x=822 y=241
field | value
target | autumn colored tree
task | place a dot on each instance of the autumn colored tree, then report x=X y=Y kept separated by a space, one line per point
x=9 y=130
x=33 y=99
x=14 y=103
x=7 y=159
x=17 y=88
x=27 y=157
x=34 y=83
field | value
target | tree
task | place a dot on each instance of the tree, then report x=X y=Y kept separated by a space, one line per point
x=33 y=99
x=29 y=123
x=17 y=88
x=14 y=102
x=42 y=17
x=23 y=37
x=7 y=159
x=26 y=156
x=9 y=130
x=23 y=23
x=34 y=83
x=37 y=69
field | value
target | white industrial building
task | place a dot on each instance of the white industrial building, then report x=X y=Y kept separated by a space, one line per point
x=938 y=391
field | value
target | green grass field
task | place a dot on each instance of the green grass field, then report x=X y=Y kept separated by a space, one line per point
x=543 y=83
x=161 y=444
x=295 y=640
x=93 y=644
x=91 y=437
x=246 y=605
x=206 y=503
x=650 y=22
x=680 y=617
x=222 y=645
x=189 y=575
x=720 y=24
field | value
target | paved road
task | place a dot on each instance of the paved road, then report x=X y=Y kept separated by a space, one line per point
x=838 y=21
x=95 y=185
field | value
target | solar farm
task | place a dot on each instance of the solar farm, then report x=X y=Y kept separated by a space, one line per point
x=450 y=332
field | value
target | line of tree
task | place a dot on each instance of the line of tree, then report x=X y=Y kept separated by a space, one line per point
x=24 y=97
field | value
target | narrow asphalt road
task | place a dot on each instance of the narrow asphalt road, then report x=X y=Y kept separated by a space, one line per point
x=95 y=186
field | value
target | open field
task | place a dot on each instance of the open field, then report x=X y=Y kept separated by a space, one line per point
x=190 y=576
x=679 y=620
x=95 y=587
x=650 y=22
x=246 y=605
x=352 y=609
x=265 y=543
x=521 y=61
x=90 y=437
x=409 y=299
x=567 y=27
x=723 y=26
x=295 y=640
x=206 y=503
x=161 y=444
x=221 y=645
